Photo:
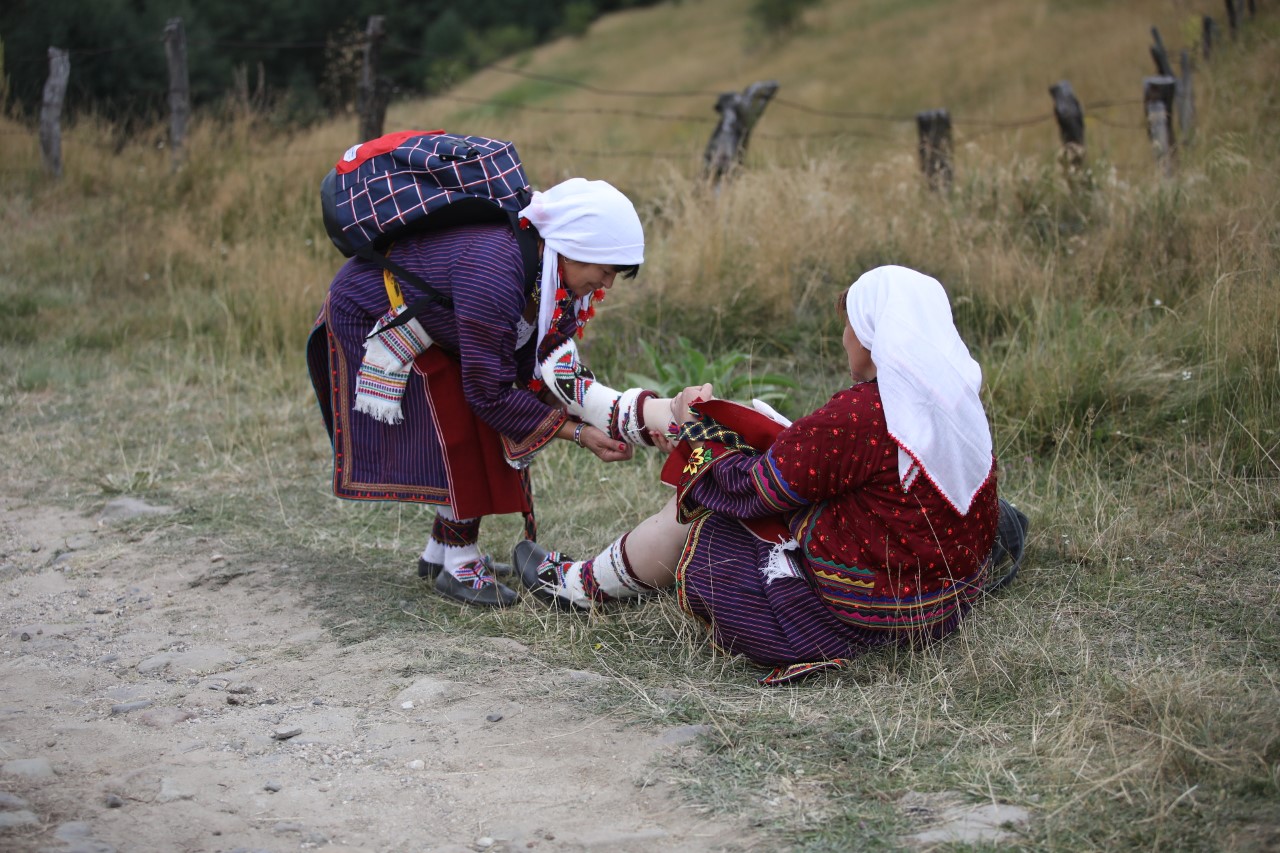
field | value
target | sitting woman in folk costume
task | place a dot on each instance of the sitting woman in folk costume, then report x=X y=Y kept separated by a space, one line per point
x=450 y=408
x=869 y=522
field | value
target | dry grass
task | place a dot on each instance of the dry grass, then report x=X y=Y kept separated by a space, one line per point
x=1125 y=690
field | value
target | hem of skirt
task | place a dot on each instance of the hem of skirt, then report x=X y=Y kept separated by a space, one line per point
x=438 y=497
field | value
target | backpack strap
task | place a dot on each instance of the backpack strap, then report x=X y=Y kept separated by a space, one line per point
x=432 y=295
x=526 y=238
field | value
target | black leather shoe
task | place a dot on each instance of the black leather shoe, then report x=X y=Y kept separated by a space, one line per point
x=430 y=570
x=492 y=594
x=527 y=558
x=1011 y=542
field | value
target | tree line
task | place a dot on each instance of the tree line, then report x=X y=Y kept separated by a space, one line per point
x=301 y=60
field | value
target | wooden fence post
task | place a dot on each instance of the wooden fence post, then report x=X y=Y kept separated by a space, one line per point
x=1208 y=34
x=935 y=147
x=1233 y=21
x=1161 y=56
x=175 y=49
x=1186 y=104
x=1157 y=100
x=372 y=94
x=739 y=112
x=55 y=89
x=1070 y=116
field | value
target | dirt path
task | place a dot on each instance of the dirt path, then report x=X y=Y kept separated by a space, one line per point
x=151 y=703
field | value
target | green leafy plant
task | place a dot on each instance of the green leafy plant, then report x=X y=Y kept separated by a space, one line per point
x=689 y=366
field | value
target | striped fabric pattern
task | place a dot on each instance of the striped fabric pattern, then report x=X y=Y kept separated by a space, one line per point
x=385 y=385
x=782 y=622
x=479 y=266
x=772 y=487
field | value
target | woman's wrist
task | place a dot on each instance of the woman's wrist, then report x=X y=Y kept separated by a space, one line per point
x=577 y=433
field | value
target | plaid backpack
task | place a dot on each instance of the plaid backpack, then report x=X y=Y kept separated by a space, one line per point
x=418 y=180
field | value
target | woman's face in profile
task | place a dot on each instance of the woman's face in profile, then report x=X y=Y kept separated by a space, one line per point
x=861 y=367
x=582 y=279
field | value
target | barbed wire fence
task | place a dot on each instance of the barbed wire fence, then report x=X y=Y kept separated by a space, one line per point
x=1166 y=97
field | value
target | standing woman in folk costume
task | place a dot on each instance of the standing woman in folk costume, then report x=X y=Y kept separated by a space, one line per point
x=869 y=522
x=451 y=407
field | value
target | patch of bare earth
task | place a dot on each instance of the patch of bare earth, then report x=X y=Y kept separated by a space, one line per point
x=156 y=703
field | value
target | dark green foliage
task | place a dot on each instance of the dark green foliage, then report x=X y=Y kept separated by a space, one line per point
x=308 y=54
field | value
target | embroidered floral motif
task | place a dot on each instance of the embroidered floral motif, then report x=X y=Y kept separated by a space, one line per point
x=697 y=460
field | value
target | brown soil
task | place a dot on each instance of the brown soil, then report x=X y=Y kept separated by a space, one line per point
x=147 y=701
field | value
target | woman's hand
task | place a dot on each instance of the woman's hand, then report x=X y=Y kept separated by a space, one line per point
x=662 y=441
x=605 y=448
x=681 y=404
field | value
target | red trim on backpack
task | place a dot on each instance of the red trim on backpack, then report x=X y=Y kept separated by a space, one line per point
x=358 y=154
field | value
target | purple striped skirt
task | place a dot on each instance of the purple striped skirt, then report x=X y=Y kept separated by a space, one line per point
x=719 y=581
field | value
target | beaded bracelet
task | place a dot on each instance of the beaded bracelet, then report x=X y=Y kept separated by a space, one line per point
x=577 y=434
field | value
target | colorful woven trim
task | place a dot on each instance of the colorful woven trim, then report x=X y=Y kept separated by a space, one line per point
x=455 y=534
x=384 y=370
x=403 y=342
x=590 y=585
x=478 y=572
x=380 y=384
x=849 y=591
x=773 y=489
x=707 y=429
x=796 y=671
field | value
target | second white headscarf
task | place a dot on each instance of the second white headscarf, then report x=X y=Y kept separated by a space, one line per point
x=586 y=221
x=928 y=381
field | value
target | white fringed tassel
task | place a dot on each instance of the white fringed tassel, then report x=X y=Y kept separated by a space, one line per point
x=384 y=370
x=780 y=563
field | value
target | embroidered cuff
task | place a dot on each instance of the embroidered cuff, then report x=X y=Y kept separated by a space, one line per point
x=520 y=453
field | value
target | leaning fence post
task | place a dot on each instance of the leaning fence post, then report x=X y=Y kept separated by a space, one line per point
x=1186 y=104
x=1208 y=33
x=1233 y=21
x=372 y=94
x=1157 y=100
x=1160 y=55
x=175 y=49
x=935 y=147
x=1070 y=117
x=739 y=112
x=55 y=89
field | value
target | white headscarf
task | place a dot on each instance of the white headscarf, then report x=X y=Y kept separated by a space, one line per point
x=928 y=381
x=586 y=221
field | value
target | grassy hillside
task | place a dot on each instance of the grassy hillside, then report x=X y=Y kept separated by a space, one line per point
x=1124 y=690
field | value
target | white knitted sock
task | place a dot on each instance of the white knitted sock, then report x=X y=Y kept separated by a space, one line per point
x=456 y=559
x=603 y=578
x=616 y=413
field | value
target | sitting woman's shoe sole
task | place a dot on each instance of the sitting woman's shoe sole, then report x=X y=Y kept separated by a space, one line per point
x=1011 y=543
